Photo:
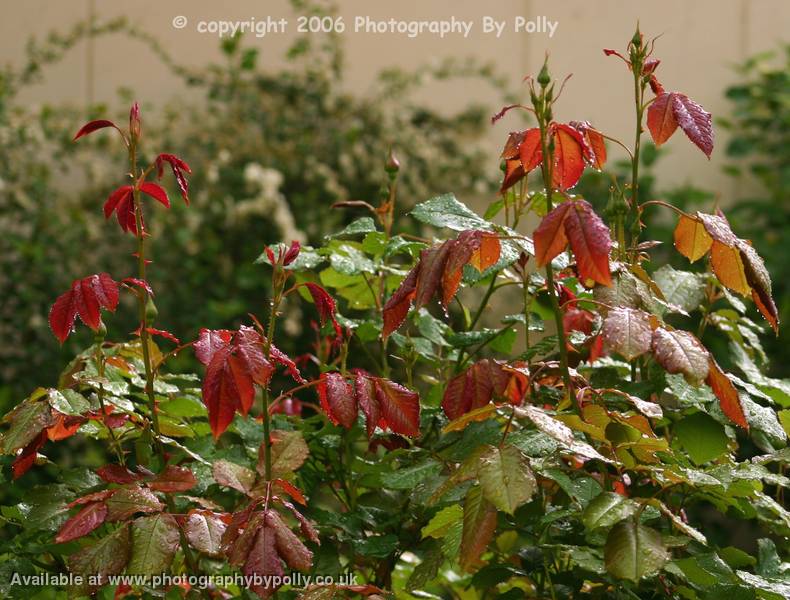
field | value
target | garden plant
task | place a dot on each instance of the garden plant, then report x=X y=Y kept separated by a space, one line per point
x=250 y=129
x=581 y=444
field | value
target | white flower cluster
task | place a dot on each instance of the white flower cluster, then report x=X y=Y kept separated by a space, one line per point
x=268 y=201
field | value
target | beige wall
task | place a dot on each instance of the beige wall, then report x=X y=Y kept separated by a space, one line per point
x=700 y=42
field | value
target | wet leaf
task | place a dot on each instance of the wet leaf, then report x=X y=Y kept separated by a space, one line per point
x=154 y=543
x=728 y=267
x=235 y=363
x=85 y=298
x=441 y=522
x=695 y=122
x=725 y=391
x=672 y=109
x=568 y=158
x=680 y=352
x=691 y=238
x=204 y=530
x=590 y=241
x=550 y=238
x=108 y=556
x=702 y=437
x=337 y=399
x=26 y=421
x=233 y=476
x=86 y=520
x=627 y=332
x=529 y=151
x=173 y=479
x=760 y=281
x=474 y=388
x=681 y=288
x=130 y=500
x=606 y=509
x=634 y=551
x=661 y=119
x=289 y=452
x=447 y=211
x=506 y=478
x=263 y=561
x=288 y=546
x=478 y=529
x=400 y=407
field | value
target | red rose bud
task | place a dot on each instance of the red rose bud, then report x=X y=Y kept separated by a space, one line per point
x=393 y=164
x=650 y=66
x=134 y=121
x=292 y=253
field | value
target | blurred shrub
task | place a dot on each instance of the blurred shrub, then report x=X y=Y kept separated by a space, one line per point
x=271 y=150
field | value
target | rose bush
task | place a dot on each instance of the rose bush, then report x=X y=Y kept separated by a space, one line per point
x=581 y=445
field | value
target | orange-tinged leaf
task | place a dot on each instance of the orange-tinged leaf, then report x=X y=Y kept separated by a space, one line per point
x=767 y=309
x=691 y=238
x=474 y=247
x=661 y=119
x=529 y=151
x=760 y=281
x=568 y=157
x=590 y=241
x=594 y=148
x=64 y=427
x=398 y=305
x=432 y=266
x=487 y=253
x=479 y=414
x=513 y=143
x=728 y=267
x=294 y=492
x=598 y=147
x=400 y=407
x=440 y=267
x=478 y=528
x=549 y=237
x=514 y=172
x=451 y=281
x=725 y=391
